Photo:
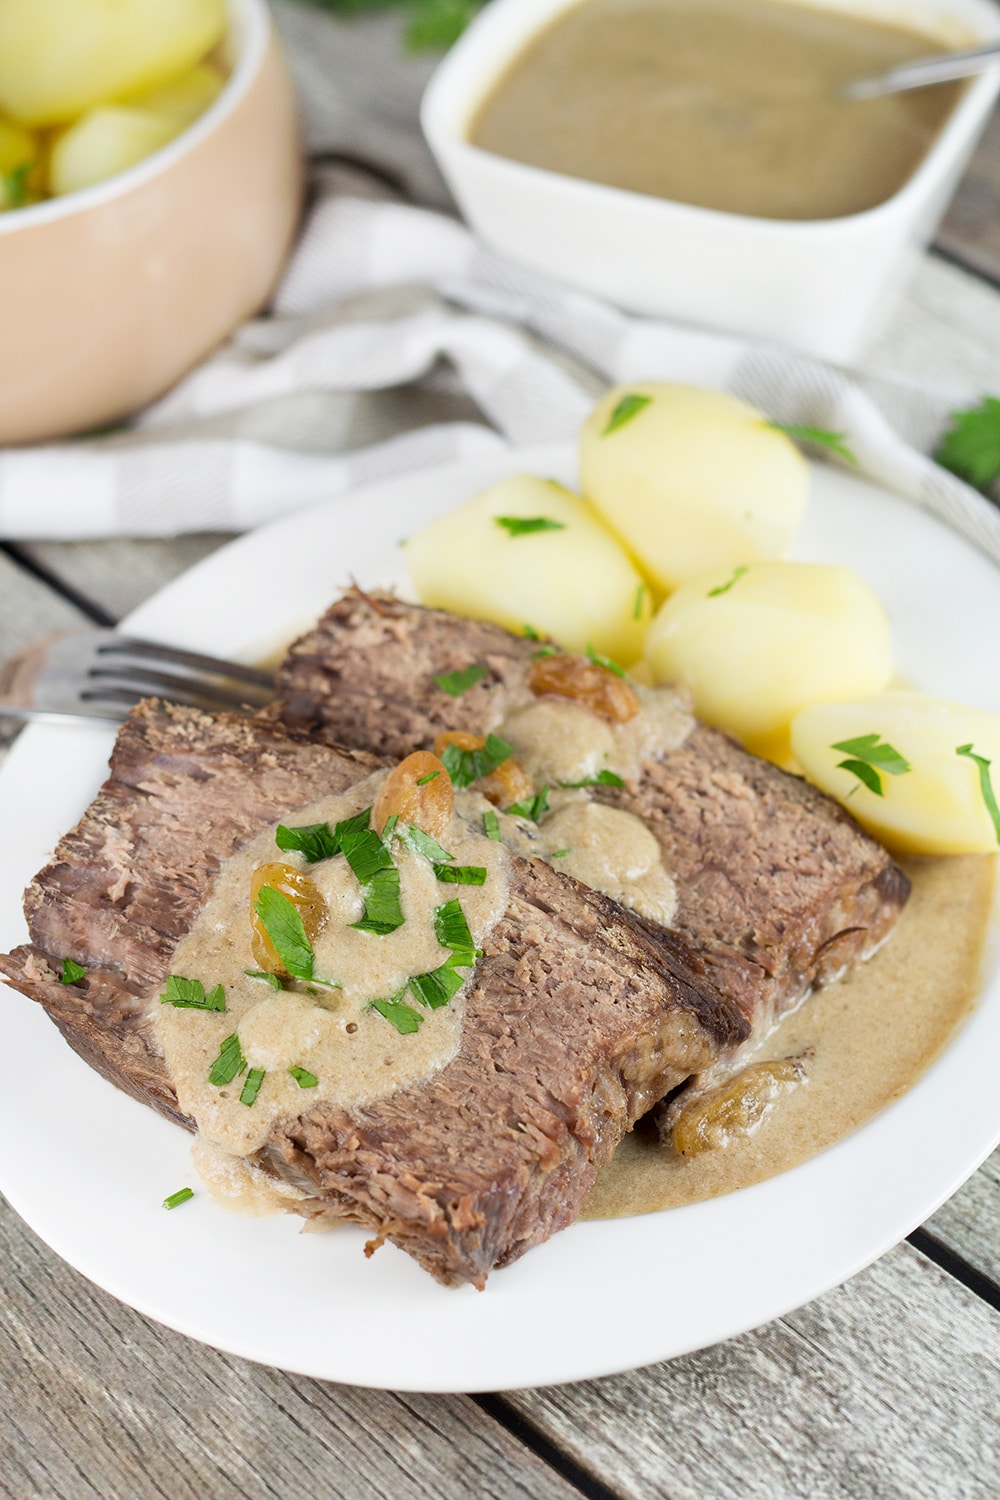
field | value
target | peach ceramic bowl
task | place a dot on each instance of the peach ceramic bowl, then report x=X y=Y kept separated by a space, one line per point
x=112 y=293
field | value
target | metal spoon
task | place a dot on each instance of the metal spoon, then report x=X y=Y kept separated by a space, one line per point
x=942 y=67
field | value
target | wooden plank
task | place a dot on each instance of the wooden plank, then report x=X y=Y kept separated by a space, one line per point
x=969 y=1223
x=971 y=228
x=100 y=1402
x=887 y=1387
x=122 y=572
x=28 y=610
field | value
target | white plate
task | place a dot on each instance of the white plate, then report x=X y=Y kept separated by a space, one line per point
x=87 y=1167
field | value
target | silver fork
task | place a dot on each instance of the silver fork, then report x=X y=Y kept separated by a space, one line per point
x=99 y=674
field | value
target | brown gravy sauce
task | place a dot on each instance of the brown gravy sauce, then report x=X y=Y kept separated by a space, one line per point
x=727 y=104
x=869 y=1036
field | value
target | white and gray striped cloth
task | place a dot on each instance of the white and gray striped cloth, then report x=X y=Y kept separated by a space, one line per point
x=397 y=341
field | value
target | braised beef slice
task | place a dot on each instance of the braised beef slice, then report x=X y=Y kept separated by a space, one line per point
x=778 y=888
x=580 y=1016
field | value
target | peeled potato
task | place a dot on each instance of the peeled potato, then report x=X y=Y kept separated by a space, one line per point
x=692 y=479
x=758 y=643
x=184 y=98
x=105 y=142
x=575 y=584
x=59 y=58
x=19 y=153
x=941 y=803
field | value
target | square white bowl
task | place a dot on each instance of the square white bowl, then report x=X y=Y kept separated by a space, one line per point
x=821 y=286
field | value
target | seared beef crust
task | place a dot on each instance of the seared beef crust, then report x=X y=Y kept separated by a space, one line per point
x=580 y=1016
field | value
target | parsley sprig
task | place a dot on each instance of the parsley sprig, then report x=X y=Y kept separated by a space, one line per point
x=530 y=807
x=72 y=972
x=820 y=437
x=433 y=25
x=189 y=994
x=971 y=446
x=459 y=682
x=985 y=784
x=868 y=758
x=724 y=588
x=438 y=986
x=466 y=766
x=528 y=525
x=602 y=778
x=628 y=407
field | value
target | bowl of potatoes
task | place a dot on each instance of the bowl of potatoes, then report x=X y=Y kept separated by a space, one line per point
x=150 y=184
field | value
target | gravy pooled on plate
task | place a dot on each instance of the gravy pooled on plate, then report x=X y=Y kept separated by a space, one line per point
x=726 y=104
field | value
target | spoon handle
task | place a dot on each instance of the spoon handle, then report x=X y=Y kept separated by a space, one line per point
x=944 y=67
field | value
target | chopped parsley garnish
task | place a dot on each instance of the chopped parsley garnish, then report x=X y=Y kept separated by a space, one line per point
x=724 y=588
x=491 y=825
x=72 y=973
x=971 y=446
x=271 y=979
x=461 y=874
x=466 y=766
x=383 y=909
x=181 y=1196
x=628 y=407
x=438 y=987
x=189 y=994
x=985 y=784
x=559 y=853
x=283 y=924
x=389 y=831
x=604 y=661
x=528 y=525
x=14 y=185
x=423 y=780
x=868 y=758
x=371 y=864
x=457 y=683
x=435 y=988
x=405 y=1019
x=530 y=633
x=304 y=1078
x=530 y=807
x=251 y=1087
x=421 y=843
x=544 y=651
x=362 y=848
x=452 y=929
x=314 y=842
x=640 y=595
x=229 y=1063
x=603 y=778
x=836 y=442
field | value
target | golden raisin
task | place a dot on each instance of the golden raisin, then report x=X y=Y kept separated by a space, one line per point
x=736 y=1108
x=509 y=783
x=302 y=893
x=409 y=795
x=586 y=683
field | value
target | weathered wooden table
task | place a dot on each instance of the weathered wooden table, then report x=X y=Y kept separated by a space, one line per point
x=887 y=1387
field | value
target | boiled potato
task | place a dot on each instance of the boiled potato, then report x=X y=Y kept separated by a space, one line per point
x=19 y=153
x=105 y=142
x=184 y=98
x=575 y=583
x=936 y=765
x=59 y=58
x=691 y=479
x=757 y=643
